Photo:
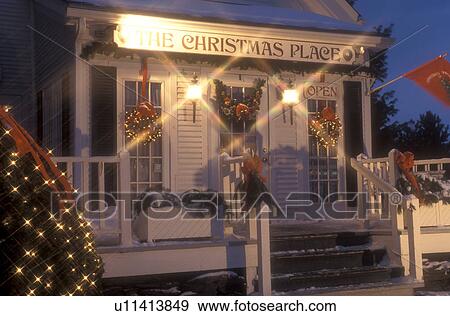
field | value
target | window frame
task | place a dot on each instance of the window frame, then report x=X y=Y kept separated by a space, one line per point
x=331 y=155
x=147 y=183
x=246 y=133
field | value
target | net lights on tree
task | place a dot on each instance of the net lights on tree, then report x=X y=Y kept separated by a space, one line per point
x=34 y=259
x=194 y=94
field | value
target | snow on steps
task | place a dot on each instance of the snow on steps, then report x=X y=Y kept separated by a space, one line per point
x=326 y=259
x=394 y=287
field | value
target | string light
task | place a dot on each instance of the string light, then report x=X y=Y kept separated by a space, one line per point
x=144 y=127
x=27 y=257
x=327 y=131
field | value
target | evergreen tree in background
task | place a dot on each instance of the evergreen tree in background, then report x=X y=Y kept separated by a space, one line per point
x=383 y=103
x=427 y=138
x=43 y=251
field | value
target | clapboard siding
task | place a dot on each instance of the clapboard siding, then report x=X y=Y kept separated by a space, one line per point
x=15 y=46
x=15 y=59
x=191 y=142
x=52 y=61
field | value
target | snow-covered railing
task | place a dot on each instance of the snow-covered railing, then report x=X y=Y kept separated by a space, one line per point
x=231 y=177
x=369 y=179
x=377 y=179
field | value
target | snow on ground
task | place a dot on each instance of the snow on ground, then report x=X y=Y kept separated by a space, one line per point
x=437 y=265
x=228 y=274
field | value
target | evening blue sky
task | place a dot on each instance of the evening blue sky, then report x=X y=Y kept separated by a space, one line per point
x=407 y=17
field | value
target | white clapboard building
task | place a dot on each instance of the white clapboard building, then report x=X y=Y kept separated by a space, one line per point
x=88 y=61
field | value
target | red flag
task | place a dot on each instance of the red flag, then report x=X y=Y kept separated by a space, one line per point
x=434 y=77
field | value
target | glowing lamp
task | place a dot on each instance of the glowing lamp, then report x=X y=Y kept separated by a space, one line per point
x=194 y=94
x=291 y=97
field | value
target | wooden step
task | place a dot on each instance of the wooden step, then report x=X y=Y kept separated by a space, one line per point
x=349 y=239
x=394 y=287
x=285 y=262
x=330 y=278
x=303 y=242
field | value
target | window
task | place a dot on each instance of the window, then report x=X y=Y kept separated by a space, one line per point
x=238 y=137
x=146 y=159
x=323 y=170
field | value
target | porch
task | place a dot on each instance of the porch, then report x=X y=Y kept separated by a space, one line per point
x=134 y=245
x=139 y=246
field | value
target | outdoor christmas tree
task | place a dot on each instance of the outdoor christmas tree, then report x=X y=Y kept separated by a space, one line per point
x=46 y=246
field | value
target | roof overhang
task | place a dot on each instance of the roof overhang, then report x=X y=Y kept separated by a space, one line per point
x=346 y=46
x=370 y=40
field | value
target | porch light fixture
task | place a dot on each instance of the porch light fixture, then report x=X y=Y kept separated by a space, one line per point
x=291 y=97
x=194 y=94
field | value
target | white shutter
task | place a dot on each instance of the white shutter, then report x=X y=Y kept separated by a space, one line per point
x=284 y=156
x=192 y=149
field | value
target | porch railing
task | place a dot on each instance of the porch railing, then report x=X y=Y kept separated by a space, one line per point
x=377 y=179
x=433 y=167
x=103 y=175
x=232 y=176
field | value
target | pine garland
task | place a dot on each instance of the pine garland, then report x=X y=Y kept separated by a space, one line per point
x=233 y=109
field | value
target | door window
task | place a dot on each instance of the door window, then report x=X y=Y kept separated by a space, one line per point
x=238 y=136
x=146 y=159
x=323 y=163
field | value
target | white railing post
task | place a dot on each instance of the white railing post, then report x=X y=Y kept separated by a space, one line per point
x=125 y=200
x=415 y=246
x=264 y=269
x=397 y=224
x=361 y=200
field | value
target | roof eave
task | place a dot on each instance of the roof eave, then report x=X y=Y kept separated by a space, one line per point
x=112 y=15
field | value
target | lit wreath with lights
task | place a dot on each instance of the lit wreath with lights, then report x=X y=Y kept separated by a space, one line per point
x=326 y=127
x=247 y=109
x=143 y=123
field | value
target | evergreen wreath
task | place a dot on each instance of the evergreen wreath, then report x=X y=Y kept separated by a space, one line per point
x=326 y=127
x=233 y=109
x=143 y=123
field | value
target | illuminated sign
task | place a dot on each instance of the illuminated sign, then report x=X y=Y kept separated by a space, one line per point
x=159 y=37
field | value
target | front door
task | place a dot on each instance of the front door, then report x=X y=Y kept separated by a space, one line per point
x=236 y=138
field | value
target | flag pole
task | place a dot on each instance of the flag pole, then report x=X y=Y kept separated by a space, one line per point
x=386 y=84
